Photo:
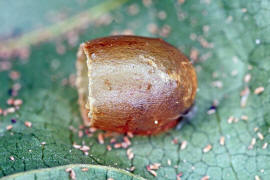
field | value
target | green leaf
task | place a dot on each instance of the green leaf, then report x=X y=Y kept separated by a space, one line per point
x=81 y=171
x=231 y=39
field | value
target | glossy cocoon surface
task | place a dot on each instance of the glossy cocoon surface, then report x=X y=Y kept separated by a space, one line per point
x=133 y=84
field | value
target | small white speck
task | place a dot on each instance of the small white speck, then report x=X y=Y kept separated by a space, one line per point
x=207 y=148
x=257 y=177
x=235 y=59
x=259 y=90
x=211 y=111
x=260 y=136
x=93 y=56
x=229 y=19
x=217 y=84
x=234 y=72
x=11 y=158
x=253 y=142
x=169 y=162
x=258 y=41
x=156 y=122
x=244 y=10
x=222 y=140
x=265 y=145
x=183 y=145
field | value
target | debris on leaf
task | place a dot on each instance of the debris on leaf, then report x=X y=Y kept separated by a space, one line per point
x=183 y=145
x=260 y=136
x=84 y=169
x=222 y=140
x=259 y=90
x=205 y=178
x=207 y=148
x=244 y=117
x=12 y=158
x=257 y=177
x=150 y=168
x=253 y=142
x=130 y=154
x=100 y=138
x=265 y=145
x=71 y=172
x=9 y=127
x=247 y=78
x=28 y=124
